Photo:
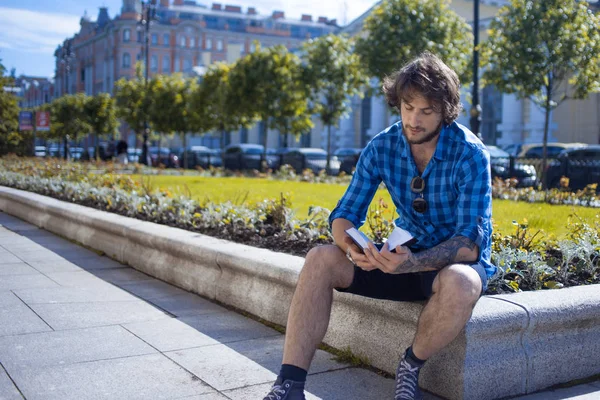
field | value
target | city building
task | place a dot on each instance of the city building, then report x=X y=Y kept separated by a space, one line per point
x=184 y=35
x=33 y=91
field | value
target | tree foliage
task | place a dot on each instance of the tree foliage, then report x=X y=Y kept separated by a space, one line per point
x=170 y=110
x=214 y=105
x=535 y=47
x=68 y=118
x=269 y=86
x=10 y=137
x=335 y=74
x=133 y=101
x=399 y=30
x=102 y=116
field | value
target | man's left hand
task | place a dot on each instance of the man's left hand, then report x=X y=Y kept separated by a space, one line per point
x=401 y=262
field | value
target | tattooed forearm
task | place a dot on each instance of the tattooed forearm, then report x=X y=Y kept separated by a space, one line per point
x=457 y=249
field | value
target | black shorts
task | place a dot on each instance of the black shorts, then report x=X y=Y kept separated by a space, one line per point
x=402 y=287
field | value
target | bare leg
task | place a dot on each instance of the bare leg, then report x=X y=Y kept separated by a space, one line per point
x=456 y=289
x=325 y=268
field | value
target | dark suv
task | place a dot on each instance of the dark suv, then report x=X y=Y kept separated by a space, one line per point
x=581 y=165
x=501 y=167
x=247 y=156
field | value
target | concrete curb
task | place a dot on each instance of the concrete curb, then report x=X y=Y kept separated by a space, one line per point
x=513 y=344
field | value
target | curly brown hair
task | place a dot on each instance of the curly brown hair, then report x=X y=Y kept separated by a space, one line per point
x=429 y=77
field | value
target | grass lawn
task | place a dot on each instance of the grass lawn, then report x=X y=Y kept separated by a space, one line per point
x=550 y=218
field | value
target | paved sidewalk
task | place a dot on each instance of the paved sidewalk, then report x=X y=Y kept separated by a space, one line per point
x=77 y=325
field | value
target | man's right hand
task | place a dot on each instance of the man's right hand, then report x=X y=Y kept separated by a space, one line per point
x=347 y=245
x=357 y=255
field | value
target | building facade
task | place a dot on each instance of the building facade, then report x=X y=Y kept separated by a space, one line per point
x=33 y=91
x=184 y=35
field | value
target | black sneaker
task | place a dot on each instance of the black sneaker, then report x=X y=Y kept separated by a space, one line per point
x=286 y=390
x=407 y=382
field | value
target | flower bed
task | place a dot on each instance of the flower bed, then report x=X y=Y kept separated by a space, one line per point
x=526 y=260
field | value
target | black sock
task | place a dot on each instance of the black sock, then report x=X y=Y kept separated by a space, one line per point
x=293 y=373
x=412 y=359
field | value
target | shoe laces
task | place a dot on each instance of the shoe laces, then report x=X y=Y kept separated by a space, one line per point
x=407 y=381
x=277 y=392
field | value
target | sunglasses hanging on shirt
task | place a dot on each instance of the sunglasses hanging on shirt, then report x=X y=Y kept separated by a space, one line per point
x=417 y=186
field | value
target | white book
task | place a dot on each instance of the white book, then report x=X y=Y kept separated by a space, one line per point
x=398 y=237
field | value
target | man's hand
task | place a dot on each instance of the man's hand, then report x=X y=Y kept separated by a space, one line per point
x=388 y=262
x=356 y=255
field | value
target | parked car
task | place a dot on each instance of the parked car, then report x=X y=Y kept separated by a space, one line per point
x=535 y=150
x=40 y=151
x=76 y=152
x=134 y=155
x=500 y=162
x=247 y=156
x=276 y=156
x=348 y=157
x=201 y=156
x=167 y=158
x=580 y=164
x=314 y=159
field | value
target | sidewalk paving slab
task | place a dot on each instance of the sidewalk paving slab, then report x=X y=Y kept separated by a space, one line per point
x=49 y=349
x=62 y=316
x=8 y=391
x=141 y=377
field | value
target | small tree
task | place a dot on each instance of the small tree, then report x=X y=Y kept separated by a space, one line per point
x=102 y=116
x=536 y=46
x=133 y=103
x=69 y=120
x=335 y=74
x=213 y=104
x=170 y=110
x=269 y=86
x=397 y=31
x=9 y=116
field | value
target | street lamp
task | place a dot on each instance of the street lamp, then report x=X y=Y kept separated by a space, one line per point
x=475 y=106
x=148 y=14
x=66 y=58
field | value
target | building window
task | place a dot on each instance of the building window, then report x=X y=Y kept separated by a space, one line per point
x=166 y=39
x=192 y=43
x=138 y=57
x=187 y=65
x=253 y=46
x=154 y=39
x=126 y=60
x=127 y=35
x=177 y=65
x=139 y=37
x=211 y=22
x=182 y=41
x=208 y=44
x=219 y=44
x=166 y=65
x=154 y=63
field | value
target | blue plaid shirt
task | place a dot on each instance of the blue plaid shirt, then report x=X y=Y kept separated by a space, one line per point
x=457 y=188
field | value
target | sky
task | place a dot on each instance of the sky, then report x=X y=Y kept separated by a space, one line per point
x=31 y=30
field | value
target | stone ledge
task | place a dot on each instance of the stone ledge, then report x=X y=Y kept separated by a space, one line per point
x=513 y=344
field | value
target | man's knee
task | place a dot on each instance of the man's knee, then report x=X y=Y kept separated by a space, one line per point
x=327 y=262
x=460 y=282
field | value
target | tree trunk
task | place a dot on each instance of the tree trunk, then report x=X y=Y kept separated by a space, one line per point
x=66 y=147
x=263 y=159
x=185 y=152
x=158 y=156
x=546 y=126
x=327 y=167
x=96 y=148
